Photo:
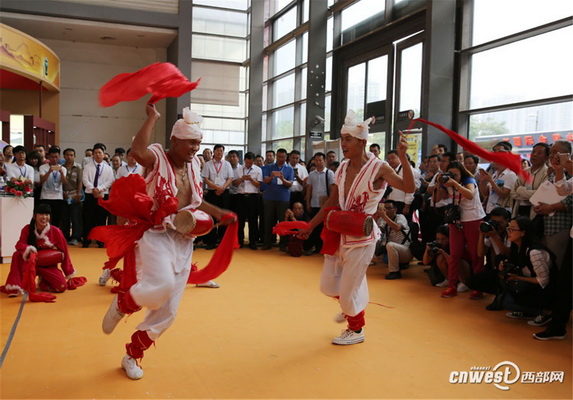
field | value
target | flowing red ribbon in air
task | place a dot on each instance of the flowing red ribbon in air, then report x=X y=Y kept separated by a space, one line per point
x=160 y=79
x=507 y=159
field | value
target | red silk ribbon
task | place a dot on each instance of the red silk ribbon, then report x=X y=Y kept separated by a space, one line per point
x=29 y=282
x=508 y=160
x=160 y=79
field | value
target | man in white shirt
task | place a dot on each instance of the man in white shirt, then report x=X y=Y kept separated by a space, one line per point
x=53 y=179
x=401 y=199
x=18 y=169
x=320 y=184
x=497 y=187
x=131 y=167
x=248 y=179
x=218 y=176
x=300 y=177
x=97 y=178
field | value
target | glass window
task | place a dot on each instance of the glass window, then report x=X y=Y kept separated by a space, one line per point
x=304 y=48
x=524 y=126
x=277 y=5
x=302 y=120
x=303 y=77
x=286 y=144
x=356 y=89
x=495 y=19
x=328 y=79
x=220 y=22
x=284 y=24
x=377 y=77
x=284 y=58
x=305 y=10
x=411 y=78
x=329 y=34
x=218 y=48
x=217 y=109
x=327 y=103
x=16 y=130
x=529 y=69
x=283 y=123
x=283 y=91
x=360 y=11
x=233 y=4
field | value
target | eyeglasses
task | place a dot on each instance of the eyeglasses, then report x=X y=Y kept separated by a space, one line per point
x=510 y=229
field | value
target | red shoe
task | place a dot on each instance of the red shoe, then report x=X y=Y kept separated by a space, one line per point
x=450 y=292
x=476 y=295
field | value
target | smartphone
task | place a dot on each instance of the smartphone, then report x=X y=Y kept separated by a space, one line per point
x=563 y=157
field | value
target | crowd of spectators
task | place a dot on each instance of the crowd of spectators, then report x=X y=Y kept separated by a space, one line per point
x=480 y=231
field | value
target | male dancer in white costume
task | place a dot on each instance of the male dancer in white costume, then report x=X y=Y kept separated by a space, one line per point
x=162 y=256
x=360 y=181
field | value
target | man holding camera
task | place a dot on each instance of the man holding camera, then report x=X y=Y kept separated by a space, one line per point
x=300 y=177
x=397 y=237
x=497 y=187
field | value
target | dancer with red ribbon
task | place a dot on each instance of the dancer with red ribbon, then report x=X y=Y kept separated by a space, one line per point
x=349 y=243
x=157 y=244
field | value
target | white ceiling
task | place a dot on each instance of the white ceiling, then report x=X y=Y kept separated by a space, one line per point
x=43 y=27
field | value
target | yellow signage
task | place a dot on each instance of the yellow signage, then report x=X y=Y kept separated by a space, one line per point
x=28 y=57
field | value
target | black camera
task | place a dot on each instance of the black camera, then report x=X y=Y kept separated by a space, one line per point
x=509 y=268
x=445 y=177
x=488 y=226
x=433 y=247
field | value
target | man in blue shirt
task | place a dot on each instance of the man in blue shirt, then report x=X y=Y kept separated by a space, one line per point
x=278 y=178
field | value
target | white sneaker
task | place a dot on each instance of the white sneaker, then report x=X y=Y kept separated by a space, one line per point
x=444 y=283
x=340 y=318
x=112 y=317
x=349 y=337
x=462 y=288
x=210 y=284
x=131 y=368
x=105 y=275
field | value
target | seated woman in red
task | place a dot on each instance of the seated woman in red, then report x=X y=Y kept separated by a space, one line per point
x=40 y=235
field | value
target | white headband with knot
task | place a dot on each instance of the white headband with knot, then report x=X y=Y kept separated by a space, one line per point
x=188 y=126
x=350 y=126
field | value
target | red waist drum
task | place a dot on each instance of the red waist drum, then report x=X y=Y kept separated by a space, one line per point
x=193 y=222
x=46 y=258
x=350 y=223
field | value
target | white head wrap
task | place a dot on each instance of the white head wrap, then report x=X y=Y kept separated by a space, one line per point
x=352 y=128
x=188 y=126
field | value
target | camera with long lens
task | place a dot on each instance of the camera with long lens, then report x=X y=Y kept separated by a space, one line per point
x=509 y=268
x=445 y=177
x=433 y=248
x=488 y=226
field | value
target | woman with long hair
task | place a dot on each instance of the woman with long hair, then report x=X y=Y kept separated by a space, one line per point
x=526 y=273
x=460 y=185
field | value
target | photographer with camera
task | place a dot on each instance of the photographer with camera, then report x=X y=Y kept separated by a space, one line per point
x=493 y=244
x=464 y=218
x=525 y=274
x=397 y=234
x=437 y=255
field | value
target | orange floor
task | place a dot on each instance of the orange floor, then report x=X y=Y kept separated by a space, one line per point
x=266 y=334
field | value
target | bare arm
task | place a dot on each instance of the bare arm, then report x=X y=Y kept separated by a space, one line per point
x=405 y=182
x=139 y=149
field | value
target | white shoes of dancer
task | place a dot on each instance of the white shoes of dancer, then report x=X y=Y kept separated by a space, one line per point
x=348 y=336
x=132 y=369
x=112 y=317
x=105 y=275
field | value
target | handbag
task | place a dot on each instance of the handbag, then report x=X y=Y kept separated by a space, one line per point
x=46 y=258
x=452 y=212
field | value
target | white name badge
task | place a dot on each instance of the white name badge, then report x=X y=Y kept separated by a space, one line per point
x=279 y=181
x=219 y=181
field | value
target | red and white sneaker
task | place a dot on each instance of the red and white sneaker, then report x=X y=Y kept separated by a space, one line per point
x=132 y=369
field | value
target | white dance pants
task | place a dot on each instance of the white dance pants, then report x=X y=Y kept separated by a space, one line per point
x=163 y=262
x=344 y=275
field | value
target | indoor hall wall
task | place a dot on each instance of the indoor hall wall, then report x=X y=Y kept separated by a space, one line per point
x=85 y=68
